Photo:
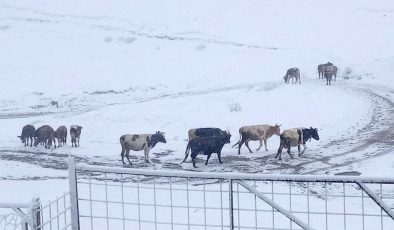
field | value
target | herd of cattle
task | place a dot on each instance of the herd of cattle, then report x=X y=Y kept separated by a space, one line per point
x=327 y=71
x=201 y=140
x=46 y=135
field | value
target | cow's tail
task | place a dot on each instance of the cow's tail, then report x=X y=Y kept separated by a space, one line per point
x=122 y=139
x=186 y=151
x=240 y=138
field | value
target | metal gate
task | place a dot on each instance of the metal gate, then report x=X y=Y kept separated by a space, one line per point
x=124 y=198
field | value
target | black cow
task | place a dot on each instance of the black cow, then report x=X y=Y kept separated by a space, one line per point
x=207 y=146
x=27 y=133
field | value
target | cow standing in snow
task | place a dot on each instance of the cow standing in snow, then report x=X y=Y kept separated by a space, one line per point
x=75 y=134
x=293 y=73
x=256 y=133
x=46 y=135
x=322 y=67
x=296 y=137
x=207 y=146
x=27 y=133
x=138 y=142
x=61 y=135
x=329 y=72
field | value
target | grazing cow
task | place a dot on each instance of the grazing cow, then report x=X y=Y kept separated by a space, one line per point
x=207 y=146
x=256 y=133
x=293 y=73
x=75 y=134
x=138 y=142
x=27 y=133
x=322 y=67
x=329 y=71
x=296 y=137
x=46 y=135
x=61 y=135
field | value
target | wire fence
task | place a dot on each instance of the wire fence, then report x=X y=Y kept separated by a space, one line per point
x=119 y=198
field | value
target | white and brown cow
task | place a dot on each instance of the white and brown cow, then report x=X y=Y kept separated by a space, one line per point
x=256 y=133
x=296 y=137
x=138 y=142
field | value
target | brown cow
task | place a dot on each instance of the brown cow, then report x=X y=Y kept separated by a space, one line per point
x=256 y=133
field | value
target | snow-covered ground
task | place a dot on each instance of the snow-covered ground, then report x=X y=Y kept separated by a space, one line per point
x=141 y=66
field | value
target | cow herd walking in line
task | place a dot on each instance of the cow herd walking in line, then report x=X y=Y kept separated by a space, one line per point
x=205 y=141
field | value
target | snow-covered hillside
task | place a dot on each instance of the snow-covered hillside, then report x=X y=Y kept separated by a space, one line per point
x=141 y=66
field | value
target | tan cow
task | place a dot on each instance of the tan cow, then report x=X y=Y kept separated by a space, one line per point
x=256 y=133
x=295 y=138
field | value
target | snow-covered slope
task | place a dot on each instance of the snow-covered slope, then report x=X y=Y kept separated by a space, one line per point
x=141 y=66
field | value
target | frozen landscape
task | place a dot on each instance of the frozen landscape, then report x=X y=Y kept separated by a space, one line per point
x=139 y=67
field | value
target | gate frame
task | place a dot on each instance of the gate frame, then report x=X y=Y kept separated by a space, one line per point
x=232 y=178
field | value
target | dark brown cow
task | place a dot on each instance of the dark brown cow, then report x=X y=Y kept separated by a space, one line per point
x=27 y=133
x=322 y=67
x=45 y=134
x=75 y=134
x=61 y=135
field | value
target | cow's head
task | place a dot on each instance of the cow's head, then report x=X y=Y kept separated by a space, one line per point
x=226 y=137
x=277 y=129
x=160 y=137
x=36 y=141
x=313 y=133
x=286 y=78
x=22 y=139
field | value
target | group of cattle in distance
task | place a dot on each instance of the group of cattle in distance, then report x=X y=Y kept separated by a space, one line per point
x=207 y=141
x=46 y=135
x=327 y=71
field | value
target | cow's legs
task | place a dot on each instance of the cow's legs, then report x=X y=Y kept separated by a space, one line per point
x=78 y=140
x=240 y=145
x=146 y=153
x=128 y=156
x=122 y=154
x=261 y=144
x=279 y=154
x=288 y=152
x=247 y=145
x=220 y=157
x=265 y=144
x=303 y=145
x=194 y=161
x=208 y=156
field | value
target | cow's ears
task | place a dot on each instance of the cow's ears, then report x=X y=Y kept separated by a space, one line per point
x=18 y=136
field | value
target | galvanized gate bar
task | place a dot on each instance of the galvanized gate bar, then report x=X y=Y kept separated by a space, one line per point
x=237 y=176
x=377 y=200
x=285 y=212
x=72 y=178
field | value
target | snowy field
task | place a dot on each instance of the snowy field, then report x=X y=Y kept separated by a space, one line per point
x=140 y=66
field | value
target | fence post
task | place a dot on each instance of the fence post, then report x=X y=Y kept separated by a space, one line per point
x=35 y=213
x=72 y=178
x=231 y=203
